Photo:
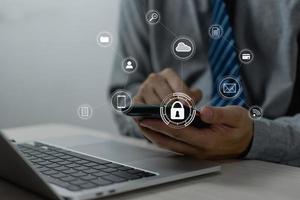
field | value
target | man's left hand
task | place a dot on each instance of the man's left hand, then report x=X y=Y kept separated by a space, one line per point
x=229 y=135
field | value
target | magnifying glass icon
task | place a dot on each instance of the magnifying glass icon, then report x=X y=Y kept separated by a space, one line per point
x=154 y=16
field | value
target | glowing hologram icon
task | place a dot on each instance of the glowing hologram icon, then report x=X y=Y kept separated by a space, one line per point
x=215 y=31
x=121 y=101
x=177 y=110
x=85 y=111
x=152 y=17
x=246 y=56
x=229 y=87
x=255 y=112
x=183 y=48
x=104 y=39
x=129 y=65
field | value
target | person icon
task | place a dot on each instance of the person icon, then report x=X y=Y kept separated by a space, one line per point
x=129 y=65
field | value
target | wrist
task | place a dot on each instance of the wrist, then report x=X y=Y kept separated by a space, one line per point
x=249 y=140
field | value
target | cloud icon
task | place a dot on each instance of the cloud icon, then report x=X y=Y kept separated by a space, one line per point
x=183 y=48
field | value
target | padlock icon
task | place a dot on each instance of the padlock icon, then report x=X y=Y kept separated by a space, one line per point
x=177 y=111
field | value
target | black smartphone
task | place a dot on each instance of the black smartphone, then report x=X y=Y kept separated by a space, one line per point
x=153 y=112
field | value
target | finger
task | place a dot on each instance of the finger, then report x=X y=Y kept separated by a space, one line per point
x=147 y=94
x=195 y=94
x=189 y=135
x=229 y=115
x=138 y=100
x=159 y=85
x=152 y=98
x=178 y=85
x=175 y=82
x=163 y=89
x=169 y=143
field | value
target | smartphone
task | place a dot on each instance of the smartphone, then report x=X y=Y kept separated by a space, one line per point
x=153 y=112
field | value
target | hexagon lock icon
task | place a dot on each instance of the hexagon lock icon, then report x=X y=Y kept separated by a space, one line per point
x=177 y=111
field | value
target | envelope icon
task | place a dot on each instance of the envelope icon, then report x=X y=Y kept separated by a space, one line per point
x=229 y=88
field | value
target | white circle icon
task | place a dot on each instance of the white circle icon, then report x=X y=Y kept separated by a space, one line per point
x=177 y=110
x=121 y=101
x=246 y=56
x=129 y=65
x=215 y=31
x=104 y=39
x=255 y=112
x=183 y=48
x=152 y=17
x=229 y=88
x=85 y=111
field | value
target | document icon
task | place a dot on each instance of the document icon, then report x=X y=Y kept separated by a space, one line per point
x=84 y=111
x=229 y=88
x=216 y=32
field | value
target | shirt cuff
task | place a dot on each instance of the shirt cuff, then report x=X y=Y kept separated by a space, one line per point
x=266 y=144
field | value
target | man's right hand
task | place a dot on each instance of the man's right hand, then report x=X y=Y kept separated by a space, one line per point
x=159 y=85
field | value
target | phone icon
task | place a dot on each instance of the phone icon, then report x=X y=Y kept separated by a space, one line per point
x=121 y=101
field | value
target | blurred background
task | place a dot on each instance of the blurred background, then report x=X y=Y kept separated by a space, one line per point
x=50 y=62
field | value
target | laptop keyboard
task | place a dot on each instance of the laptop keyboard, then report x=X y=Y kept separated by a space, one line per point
x=75 y=171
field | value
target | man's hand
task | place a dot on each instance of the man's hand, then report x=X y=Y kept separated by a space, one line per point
x=229 y=135
x=159 y=85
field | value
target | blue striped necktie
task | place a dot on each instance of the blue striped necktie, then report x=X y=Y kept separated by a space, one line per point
x=223 y=57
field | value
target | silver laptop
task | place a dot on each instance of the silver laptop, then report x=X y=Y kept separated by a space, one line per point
x=89 y=169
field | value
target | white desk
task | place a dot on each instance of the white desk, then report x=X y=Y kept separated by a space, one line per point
x=239 y=180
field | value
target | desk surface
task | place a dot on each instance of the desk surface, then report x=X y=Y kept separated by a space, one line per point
x=238 y=180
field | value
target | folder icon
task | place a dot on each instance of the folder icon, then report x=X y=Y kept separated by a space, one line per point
x=104 y=39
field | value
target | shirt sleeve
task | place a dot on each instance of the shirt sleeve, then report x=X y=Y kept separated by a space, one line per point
x=132 y=41
x=277 y=140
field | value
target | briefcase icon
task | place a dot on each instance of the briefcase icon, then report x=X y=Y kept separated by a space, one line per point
x=229 y=88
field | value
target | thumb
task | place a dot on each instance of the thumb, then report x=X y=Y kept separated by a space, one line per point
x=229 y=115
x=195 y=94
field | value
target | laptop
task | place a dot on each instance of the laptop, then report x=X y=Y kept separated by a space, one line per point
x=90 y=169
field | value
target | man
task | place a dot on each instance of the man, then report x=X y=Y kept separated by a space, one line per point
x=269 y=28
